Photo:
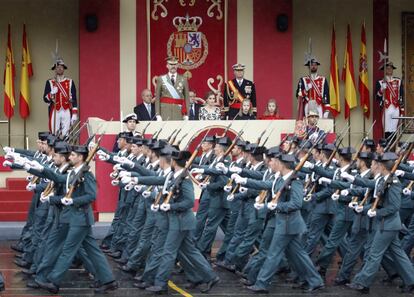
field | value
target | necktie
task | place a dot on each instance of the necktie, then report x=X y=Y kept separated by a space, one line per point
x=192 y=113
x=173 y=79
x=149 y=109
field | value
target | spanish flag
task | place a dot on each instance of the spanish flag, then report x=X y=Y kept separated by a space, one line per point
x=334 y=79
x=363 y=74
x=348 y=76
x=27 y=72
x=9 y=74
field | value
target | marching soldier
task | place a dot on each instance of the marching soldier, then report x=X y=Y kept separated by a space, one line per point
x=313 y=87
x=390 y=96
x=171 y=93
x=236 y=90
x=60 y=94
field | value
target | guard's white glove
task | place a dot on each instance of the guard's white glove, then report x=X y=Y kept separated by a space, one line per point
x=335 y=161
x=235 y=169
x=257 y=199
x=227 y=188
x=353 y=204
x=124 y=173
x=221 y=167
x=37 y=166
x=399 y=172
x=230 y=197
x=359 y=208
x=324 y=180
x=11 y=155
x=335 y=196
x=383 y=86
x=406 y=191
x=243 y=190
x=66 y=201
x=199 y=177
x=345 y=192
x=102 y=155
x=308 y=165
x=185 y=118
x=240 y=180
x=26 y=166
x=138 y=188
x=410 y=163
x=271 y=205
x=8 y=149
x=7 y=164
x=91 y=145
x=29 y=178
x=126 y=179
x=165 y=207
x=54 y=90
x=74 y=118
x=371 y=213
x=259 y=206
x=154 y=207
x=347 y=176
x=326 y=114
x=117 y=167
x=30 y=187
x=203 y=186
x=159 y=118
x=44 y=198
x=146 y=194
x=197 y=171
x=20 y=161
x=127 y=162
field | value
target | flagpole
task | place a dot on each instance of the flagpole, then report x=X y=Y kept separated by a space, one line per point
x=349 y=132
x=9 y=129
x=24 y=134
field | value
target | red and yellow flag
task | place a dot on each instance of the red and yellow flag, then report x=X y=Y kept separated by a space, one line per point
x=27 y=72
x=348 y=76
x=334 y=79
x=9 y=74
x=363 y=74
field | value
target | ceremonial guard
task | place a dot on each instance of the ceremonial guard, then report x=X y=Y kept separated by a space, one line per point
x=390 y=96
x=236 y=90
x=171 y=94
x=60 y=94
x=313 y=87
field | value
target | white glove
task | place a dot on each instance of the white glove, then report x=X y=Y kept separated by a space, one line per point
x=103 y=156
x=199 y=177
x=240 y=180
x=124 y=173
x=383 y=86
x=345 y=192
x=117 y=167
x=335 y=196
x=91 y=145
x=399 y=172
x=74 y=118
x=406 y=191
x=230 y=197
x=127 y=162
x=154 y=207
x=326 y=114
x=54 y=90
x=221 y=167
x=138 y=188
x=335 y=161
x=347 y=176
x=8 y=149
x=185 y=118
x=271 y=205
x=126 y=179
x=146 y=194
x=203 y=186
x=197 y=171
x=235 y=169
x=308 y=165
x=66 y=201
x=353 y=204
x=43 y=198
x=26 y=166
x=30 y=187
x=371 y=213
x=159 y=118
x=165 y=207
x=324 y=180
x=227 y=189
x=257 y=199
x=359 y=208
x=7 y=164
x=20 y=161
x=29 y=177
x=243 y=190
x=411 y=163
x=37 y=166
x=259 y=206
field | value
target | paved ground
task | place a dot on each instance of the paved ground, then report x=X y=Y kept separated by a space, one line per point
x=77 y=285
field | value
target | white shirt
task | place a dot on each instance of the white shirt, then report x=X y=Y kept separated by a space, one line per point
x=240 y=81
x=148 y=107
x=177 y=174
x=257 y=165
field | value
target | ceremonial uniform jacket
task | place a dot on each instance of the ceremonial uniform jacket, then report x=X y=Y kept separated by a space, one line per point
x=234 y=94
x=393 y=94
x=65 y=97
x=324 y=204
x=314 y=89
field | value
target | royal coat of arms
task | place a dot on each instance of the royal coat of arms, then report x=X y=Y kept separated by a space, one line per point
x=189 y=45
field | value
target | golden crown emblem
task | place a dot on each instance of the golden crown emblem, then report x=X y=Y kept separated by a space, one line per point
x=187 y=24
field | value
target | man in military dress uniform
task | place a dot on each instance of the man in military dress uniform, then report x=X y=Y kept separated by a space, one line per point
x=236 y=90
x=390 y=95
x=171 y=93
x=60 y=94
x=313 y=87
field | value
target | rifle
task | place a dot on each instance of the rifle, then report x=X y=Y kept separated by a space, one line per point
x=145 y=128
x=170 y=136
x=226 y=130
x=156 y=134
x=267 y=138
x=259 y=139
x=182 y=138
x=175 y=136
x=298 y=167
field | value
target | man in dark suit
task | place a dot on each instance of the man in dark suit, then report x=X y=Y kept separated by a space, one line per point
x=146 y=110
x=236 y=90
x=193 y=112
